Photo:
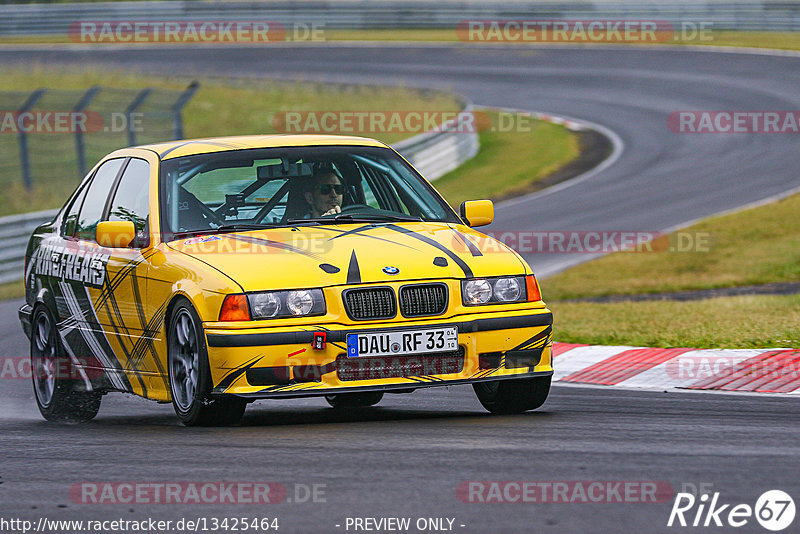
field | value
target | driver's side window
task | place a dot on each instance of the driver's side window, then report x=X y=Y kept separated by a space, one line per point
x=96 y=195
x=131 y=202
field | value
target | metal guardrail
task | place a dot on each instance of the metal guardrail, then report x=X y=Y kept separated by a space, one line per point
x=32 y=19
x=14 y=233
x=433 y=154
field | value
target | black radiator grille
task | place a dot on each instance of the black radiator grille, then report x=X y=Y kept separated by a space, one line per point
x=370 y=303
x=420 y=300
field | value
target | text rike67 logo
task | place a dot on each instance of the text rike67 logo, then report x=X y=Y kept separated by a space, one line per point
x=774 y=510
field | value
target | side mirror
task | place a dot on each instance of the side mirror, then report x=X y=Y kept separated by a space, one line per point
x=115 y=234
x=477 y=212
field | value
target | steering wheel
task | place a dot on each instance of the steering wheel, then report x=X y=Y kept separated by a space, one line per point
x=357 y=207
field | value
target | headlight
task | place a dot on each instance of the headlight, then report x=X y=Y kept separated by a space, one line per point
x=265 y=304
x=507 y=289
x=300 y=302
x=493 y=290
x=477 y=292
x=277 y=304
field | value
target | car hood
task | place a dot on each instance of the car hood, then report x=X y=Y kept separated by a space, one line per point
x=319 y=256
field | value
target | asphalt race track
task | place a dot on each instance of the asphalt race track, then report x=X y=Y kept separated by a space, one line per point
x=406 y=457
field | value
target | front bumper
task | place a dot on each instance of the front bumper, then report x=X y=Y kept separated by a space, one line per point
x=282 y=362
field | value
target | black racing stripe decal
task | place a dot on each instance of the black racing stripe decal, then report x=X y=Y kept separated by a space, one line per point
x=273 y=244
x=84 y=304
x=133 y=357
x=277 y=388
x=484 y=372
x=229 y=379
x=117 y=323
x=541 y=336
x=359 y=232
x=473 y=249
x=146 y=341
x=108 y=301
x=305 y=336
x=461 y=263
x=136 y=355
x=432 y=378
x=112 y=284
x=353 y=272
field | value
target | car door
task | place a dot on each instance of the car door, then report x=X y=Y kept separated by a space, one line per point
x=121 y=304
x=78 y=278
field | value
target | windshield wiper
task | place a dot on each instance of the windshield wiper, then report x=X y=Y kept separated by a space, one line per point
x=225 y=228
x=358 y=217
x=237 y=227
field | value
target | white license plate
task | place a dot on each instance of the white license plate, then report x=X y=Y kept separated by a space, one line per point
x=401 y=342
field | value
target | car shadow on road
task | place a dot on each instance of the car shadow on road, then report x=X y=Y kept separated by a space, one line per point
x=262 y=415
x=267 y=417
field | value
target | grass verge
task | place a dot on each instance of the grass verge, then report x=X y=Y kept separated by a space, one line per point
x=727 y=322
x=510 y=162
x=730 y=38
x=12 y=290
x=756 y=246
x=778 y=40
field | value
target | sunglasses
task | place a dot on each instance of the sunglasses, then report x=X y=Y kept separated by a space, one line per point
x=325 y=189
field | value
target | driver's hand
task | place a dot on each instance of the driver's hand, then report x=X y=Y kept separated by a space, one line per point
x=333 y=211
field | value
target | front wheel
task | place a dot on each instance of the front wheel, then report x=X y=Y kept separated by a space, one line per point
x=59 y=394
x=354 y=400
x=513 y=396
x=190 y=376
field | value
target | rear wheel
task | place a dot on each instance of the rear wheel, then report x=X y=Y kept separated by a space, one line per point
x=513 y=396
x=190 y=375
x=60 y=394
x=354 y=400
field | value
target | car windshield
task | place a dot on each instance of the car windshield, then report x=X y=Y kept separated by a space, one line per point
x=246 y=189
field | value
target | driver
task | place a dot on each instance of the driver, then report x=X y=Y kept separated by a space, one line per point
x=324 y=194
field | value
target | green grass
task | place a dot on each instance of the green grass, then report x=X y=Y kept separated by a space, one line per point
x=726 y=322
x=220 y=107
x=778 y=40
x=12 y=290
x=755 y=246
x=509 y=162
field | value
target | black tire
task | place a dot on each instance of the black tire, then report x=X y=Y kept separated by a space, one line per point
x=513 y=396
x=354 y=400
x=190 y=375
x=59 y=392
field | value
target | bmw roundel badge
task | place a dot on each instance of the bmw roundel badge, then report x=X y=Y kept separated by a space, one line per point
x=390 y=270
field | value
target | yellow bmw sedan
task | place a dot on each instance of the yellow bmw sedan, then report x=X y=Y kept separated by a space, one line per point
x=210 y=273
